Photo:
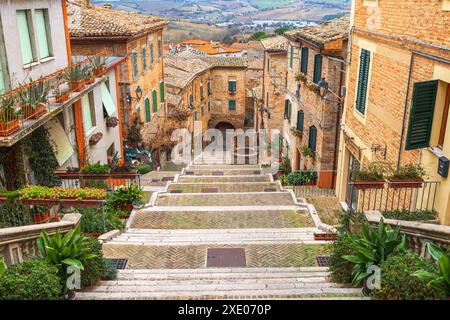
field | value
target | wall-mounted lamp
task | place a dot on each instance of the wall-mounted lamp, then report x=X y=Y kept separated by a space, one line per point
x=138 y=93
x=323 y=87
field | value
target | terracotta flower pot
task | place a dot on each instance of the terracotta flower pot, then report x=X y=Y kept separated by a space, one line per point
x=98 y=72
x=362 y=185
x=8 y=128
x=33 y=113
x=89 y=81
x=62 y=98
x=40 y=218
x=126 y=207
x=92 y=234
x=398 y=184
x=325 y=236
x=77 y=86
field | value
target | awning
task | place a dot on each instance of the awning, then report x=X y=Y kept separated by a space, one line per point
x=62 y=148
x=107 y=100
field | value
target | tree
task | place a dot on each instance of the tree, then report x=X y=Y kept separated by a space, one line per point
x=281 y=30
x=259 y=35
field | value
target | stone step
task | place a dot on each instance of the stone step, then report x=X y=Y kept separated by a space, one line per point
x=223 y=166
x=227 y=172
x=219 y=179
x=226 y=199
x=223 y=187
x=190 y=232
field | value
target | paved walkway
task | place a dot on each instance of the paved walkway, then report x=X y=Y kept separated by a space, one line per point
x=168 y=242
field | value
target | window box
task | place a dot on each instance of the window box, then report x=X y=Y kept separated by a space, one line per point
x=325 y=236
x=77 y=85
x=98 y=72
x=9 y=127
x=63 y=97
x=30 y=112
x=364 y=184
x=399 y=184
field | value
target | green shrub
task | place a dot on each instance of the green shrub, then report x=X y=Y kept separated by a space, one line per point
x=408 y=172
x=341 y=269
x=418 y=215
x=398 y=281
x=95 y=268
x=91 y=220
x=286 y=165
x=111 y=271
x=144 y=168
x=31 y=280
x=96 y=168
x=299 y=178
x=125 y=195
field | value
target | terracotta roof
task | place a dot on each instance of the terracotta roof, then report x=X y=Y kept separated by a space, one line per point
x=237 y=62
x=88 y=20
x=179 y=71
x=338 y=28
x=208 y=47
x=277 y=43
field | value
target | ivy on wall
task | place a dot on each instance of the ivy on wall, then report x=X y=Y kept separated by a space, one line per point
x=11 y=161
x=41 y=157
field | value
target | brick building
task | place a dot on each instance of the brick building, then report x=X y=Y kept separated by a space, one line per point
x=274 y=79
x=398 y=95
x=140 y=38
x=315 y=55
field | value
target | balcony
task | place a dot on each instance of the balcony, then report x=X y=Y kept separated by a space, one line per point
x=29 y=106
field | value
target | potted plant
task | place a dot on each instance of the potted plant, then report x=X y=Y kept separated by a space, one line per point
x=60 y=95
x=75 y=76
x=297 y=133
x=112 y=122
x=300 y=77
x=371 y=177
x=39 y=195
x=124 y=197
x=98 y=66
x=33 y=99
x=96 y=171
x=407 y=176
x=9 y=116
x=89 y=77
x=95 y=138
x=41 y=214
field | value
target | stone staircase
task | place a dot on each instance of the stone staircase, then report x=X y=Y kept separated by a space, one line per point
x=222 y=283
x=185 y=220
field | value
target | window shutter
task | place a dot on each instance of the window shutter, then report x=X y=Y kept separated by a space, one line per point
x=203 y=110
x=24 y=37
x=286 y=108
x=232 y=86
x=231 y=104
x=300 y=120
x=312 y=138
x=291 y=57
x=144 y=58
x=41 y=30
x=159 y=48
x=191 y=100
x=135 y=65
x=2 y=80
x=317 y=68
x=209 y=106
x=152 y=53
x=304 y=63
x=421 y=115
x=289 y=110
x=201 y=90
x=361 y=93
x=155 y=101
x=161 y=91
x=195 y=115
x=147 y=110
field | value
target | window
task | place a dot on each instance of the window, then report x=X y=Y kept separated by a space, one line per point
x=291 y=57
x=444 y=118
x=300 y=120
x=363 y=78
x=232 y=86
x=159 y=48
x=107 y=100
x=231 y=104
x=195 y=116
x=421 y=115
x=191 y=100
x=148 y=116
x=304 y=62
x=287 y=109
x=144 y=58
x=370 y=3
x=43 y=33
x=201 y=90
x=317 y=68
x=134 y=62
x=25 y=37
x=161 y=92
x=312 y=138
x=202 y=110
x=87 y=105
x=268 y=64
x=208 y=86
x=209 y=106
x=152 y=54
x=155 y=101
x=2 y=80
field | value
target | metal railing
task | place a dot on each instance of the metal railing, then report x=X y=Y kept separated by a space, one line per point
x=101 y=181
x=322 y=185
x=390 y=196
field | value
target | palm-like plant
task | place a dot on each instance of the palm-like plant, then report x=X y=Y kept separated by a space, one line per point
x=373 y=247
x=441 y=281
x=34 y=93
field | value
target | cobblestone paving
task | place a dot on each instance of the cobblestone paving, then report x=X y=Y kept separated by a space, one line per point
x=225 y=179
x=328 y=209
x=222 y=219
x=230 y=187
x=187 y=257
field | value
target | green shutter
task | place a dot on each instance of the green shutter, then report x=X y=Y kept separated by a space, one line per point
x=195 y=115
x=134 y=63
x=107 y=100
x=421 y=115
x=161 y=92
x=152 y=53
x=148 y=116
x=291 y=57
x=24 y=37
x=201 y=90
x=317 y=68
x=144 y=58
x=138 y=111
x=209 y=106
x=289 y=110
x=203 y=111
x=155 y=101
x=361 y=91
x=191 y=100
x=159 y=48
x=300 y=120
x=304 y=63
x=87 y=116
x=231 y=104
x=286 y=108
x=312 y=138
x=41 y=30
x=232 y=86
x=2 y=80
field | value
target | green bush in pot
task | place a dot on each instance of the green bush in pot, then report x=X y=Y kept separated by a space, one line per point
x=125 y=196
x=341 y=269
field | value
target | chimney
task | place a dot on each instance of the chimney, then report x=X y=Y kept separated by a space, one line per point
x=107 y=5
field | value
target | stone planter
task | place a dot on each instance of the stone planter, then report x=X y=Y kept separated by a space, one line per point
x=398 y=184
x=362 y=185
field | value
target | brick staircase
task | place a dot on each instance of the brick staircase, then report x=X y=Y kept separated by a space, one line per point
x=170 y=262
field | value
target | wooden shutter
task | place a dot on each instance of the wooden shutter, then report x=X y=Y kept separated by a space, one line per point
x=231 y=104
x=135 y=64
x=161 y=91
x=361 y=93
x=291 y=57
x=300 y=120
x=203 y=110
x=159 y=48
x=312 y=138
x=147 y=110
x=155 y=101
x=304 y=63
x=144 y=58
x=421 y=115
x=317 y=68
x=195 y=115
x=152 y=53
x=286 y=108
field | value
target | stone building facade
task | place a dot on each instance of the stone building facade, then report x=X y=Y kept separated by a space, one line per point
x=94 y=29
x=315 y=55
x=271 y=115
x=399 y=62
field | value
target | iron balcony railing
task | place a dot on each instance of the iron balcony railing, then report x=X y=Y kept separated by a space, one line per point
x=71 y=180
x=391 y=196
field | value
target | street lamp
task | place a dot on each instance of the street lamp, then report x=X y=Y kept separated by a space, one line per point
x=138 y=93
x=323 y=87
